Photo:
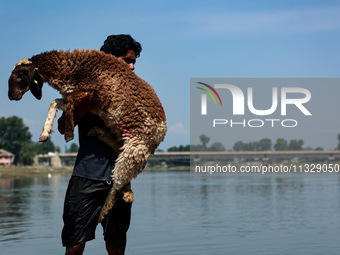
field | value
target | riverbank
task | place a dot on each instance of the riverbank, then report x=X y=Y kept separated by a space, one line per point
x=31 y=171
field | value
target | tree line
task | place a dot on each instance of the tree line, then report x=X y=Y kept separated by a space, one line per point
x=265 y=144
x=16 y=138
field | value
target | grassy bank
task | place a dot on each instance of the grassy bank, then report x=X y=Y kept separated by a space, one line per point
x=31 y=171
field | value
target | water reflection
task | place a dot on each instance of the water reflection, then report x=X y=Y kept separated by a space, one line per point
x=236 y=215
x=176 y=214
x=24 y=202
x=14 y=204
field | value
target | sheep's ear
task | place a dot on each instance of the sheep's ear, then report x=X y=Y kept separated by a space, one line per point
x=36 y=84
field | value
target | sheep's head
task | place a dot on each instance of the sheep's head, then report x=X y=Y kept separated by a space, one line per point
x=24 y=77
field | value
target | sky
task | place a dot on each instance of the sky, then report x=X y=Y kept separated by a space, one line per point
x=180 y=40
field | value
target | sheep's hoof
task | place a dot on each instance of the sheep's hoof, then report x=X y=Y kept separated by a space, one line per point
x=128 y=197
x=43 y=137
x=69 y=137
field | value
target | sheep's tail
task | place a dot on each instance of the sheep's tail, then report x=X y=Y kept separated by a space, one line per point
x=131 y=161
x=137 y=148
x=110 y=201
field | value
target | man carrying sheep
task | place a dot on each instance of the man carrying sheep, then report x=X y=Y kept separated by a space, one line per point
x=91 y=178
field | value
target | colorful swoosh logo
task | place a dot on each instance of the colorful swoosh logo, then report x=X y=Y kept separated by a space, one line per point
x=209 y=93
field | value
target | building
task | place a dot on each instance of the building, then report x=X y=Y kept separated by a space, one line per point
x=6 y=158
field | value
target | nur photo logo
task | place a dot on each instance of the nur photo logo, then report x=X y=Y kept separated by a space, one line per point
x=242 y=100
x=244 y=120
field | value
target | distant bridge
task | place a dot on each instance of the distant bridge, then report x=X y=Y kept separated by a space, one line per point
x=60 y=159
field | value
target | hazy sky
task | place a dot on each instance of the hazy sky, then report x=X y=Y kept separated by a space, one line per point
x=180 y=39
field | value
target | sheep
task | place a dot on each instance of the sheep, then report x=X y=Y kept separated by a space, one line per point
x=128 y=106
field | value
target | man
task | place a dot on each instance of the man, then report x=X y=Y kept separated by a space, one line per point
x=91 y=178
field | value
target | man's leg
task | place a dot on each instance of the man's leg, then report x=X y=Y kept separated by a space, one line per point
x=112 y=250
x=75 y=250
x=83 y=201
x=116 y=224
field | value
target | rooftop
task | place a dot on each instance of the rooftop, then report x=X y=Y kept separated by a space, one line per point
x=6 y=153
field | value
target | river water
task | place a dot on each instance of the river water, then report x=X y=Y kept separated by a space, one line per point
x=174 y=213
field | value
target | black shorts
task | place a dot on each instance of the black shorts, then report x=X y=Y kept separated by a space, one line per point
x=83 y=202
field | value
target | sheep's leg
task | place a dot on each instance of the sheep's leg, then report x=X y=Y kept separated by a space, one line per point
x=48 y=126
x=69 y=121
x=131 y=161
x=77 y=99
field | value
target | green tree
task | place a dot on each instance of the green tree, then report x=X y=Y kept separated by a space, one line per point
x=264 y=145
x=217 y=147
x=179 y=148
x=295 y=145
x=197 y=147
x=238 y=146
x=73 y=148
x=45 y=147
x=13 y=135
x=27 y=153
x=57 y=148
x=281 y=145
x=204 y=140
x=184 y=148
x=251 y=146
x=173 y=148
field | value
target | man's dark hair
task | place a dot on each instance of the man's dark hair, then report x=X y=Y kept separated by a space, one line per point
x=118 y=45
